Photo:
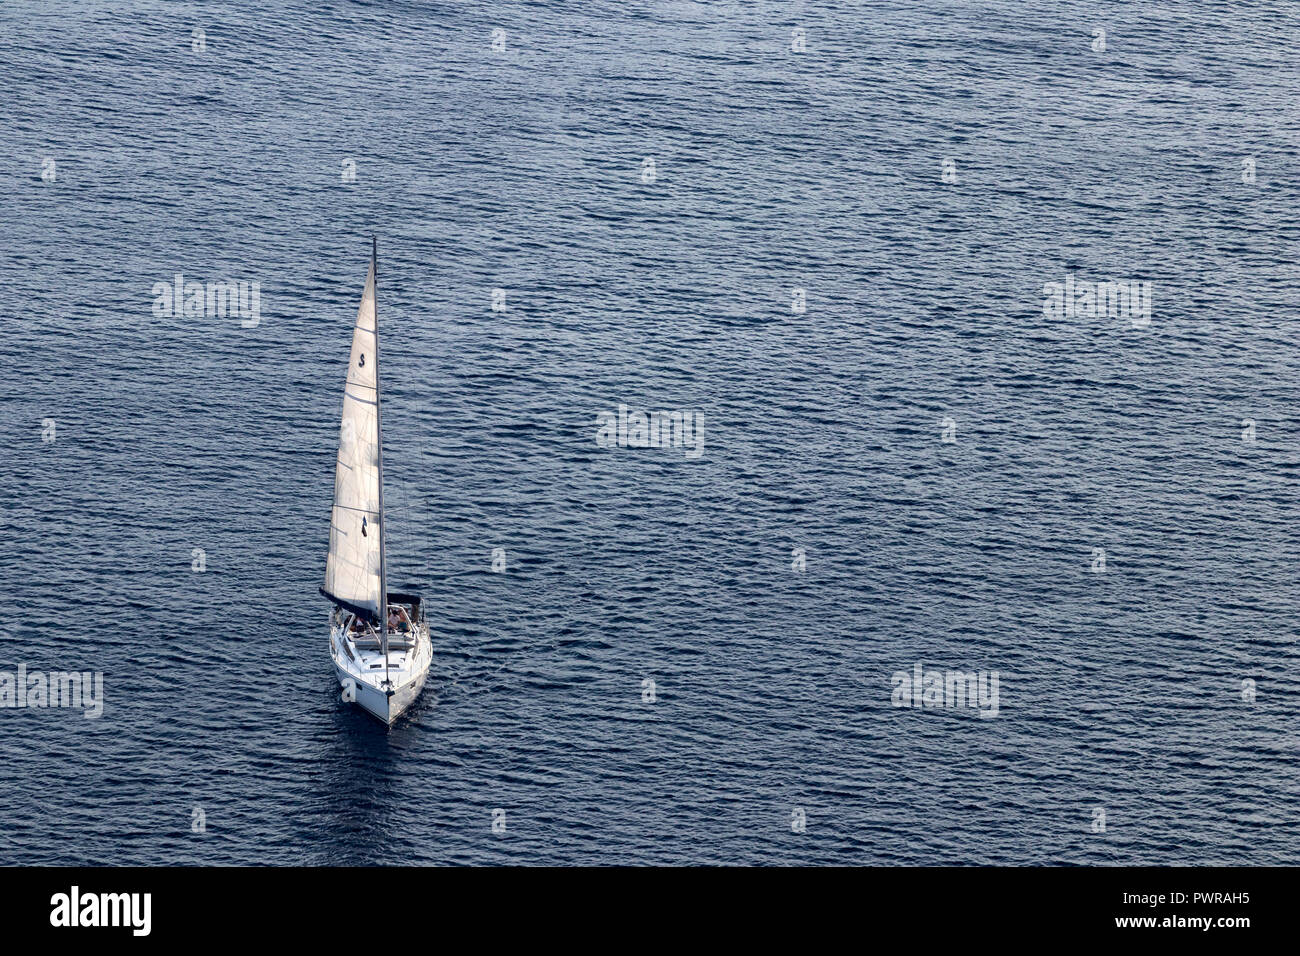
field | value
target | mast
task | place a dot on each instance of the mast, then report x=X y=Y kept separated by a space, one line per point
x=379 y=439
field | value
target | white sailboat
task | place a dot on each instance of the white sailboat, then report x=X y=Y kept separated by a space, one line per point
x=379 y=641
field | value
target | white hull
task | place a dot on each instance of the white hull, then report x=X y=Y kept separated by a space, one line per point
x=363 y=677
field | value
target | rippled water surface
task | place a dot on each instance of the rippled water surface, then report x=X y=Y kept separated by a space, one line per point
x=775 y=169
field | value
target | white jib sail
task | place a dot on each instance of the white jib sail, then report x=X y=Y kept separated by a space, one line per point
x=353 y=569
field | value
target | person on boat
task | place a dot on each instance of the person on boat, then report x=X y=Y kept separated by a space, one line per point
x=398 y=620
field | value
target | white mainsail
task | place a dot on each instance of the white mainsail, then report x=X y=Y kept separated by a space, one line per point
x=354 y=571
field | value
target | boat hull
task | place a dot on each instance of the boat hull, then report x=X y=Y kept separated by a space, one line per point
x=364 y=686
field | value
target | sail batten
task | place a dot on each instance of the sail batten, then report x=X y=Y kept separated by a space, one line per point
x=354 y=567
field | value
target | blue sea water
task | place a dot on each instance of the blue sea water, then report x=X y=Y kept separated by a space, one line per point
x=521 y=168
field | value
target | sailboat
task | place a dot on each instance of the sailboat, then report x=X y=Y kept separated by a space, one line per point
x=379 y=640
